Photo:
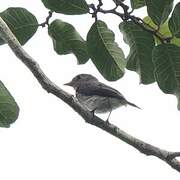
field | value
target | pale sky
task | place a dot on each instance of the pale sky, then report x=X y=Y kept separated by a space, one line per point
x=49 y=141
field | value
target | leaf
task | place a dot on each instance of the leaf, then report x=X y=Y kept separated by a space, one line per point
x=159 y=10
x=70 y=7
x=164 y=30
x=140 y=56
x=176 y=41
x=9 y=109
x=22 y=23
x=174 y=21
x=104 y=51
x=67 y=40
x=135 y=4
x=166 y=58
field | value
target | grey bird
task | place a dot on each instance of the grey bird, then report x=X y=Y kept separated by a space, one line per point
x=96 y=96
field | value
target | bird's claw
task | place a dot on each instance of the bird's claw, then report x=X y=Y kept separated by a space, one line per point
x=107 y=122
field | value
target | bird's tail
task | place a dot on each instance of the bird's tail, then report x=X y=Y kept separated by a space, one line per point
x=131 y=104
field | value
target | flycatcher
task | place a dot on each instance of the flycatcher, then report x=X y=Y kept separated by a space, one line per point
x=96 y=96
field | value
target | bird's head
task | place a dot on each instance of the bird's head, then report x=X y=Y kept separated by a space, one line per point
x=81 y=79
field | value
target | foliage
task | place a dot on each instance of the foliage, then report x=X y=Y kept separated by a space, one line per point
x=9 y=110
x=67 y=7
x=154 y=42
x=135 y=4
x=159 y=10
x=167 y=68
x=174 y=22
x=109 y=59
x=67 y=40
x=22 y=23
x=164 y=30
x=140 y=56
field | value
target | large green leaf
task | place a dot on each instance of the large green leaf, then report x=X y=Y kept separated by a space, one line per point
x=135 y=4
x=22 y=23
x=9 y=109
x=159 y=10
x=164 y=30
x=141 y=45
x=104 y=51
x=166 y=59
x=70 y=7
x=174 y=22
x=67 y=40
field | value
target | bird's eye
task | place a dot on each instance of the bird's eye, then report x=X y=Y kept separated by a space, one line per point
x=78 y=77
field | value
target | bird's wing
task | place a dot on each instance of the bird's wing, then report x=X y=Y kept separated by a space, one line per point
x=99 y=89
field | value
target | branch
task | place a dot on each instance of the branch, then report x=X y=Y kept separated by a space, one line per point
x=127 y=16
x=50 y=87
x=46 y=22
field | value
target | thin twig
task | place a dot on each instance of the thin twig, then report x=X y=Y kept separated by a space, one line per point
x=112 y=11
x=46 y=22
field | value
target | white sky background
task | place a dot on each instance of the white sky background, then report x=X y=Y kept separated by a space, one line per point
x=50 y=141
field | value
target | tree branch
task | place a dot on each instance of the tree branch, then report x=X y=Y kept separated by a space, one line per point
x=50 y=87
x=127 y=16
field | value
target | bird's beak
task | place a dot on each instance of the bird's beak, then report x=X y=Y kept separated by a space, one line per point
x=68 y=84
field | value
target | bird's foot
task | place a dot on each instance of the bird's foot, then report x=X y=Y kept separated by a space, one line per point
x=93 y=113
x=107 y=122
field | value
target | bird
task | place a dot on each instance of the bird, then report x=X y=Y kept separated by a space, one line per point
x=96 y=96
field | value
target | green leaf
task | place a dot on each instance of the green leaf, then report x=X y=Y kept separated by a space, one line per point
x=104 y=51
x=174 y=21
x=67 y=40
x=9 y=109
x=22 y=23
x=159 y=10
x=175 y=41
x=141 y=45
x=166 y=58
x=164 y=30
x=135 y=4
x=70 y=7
